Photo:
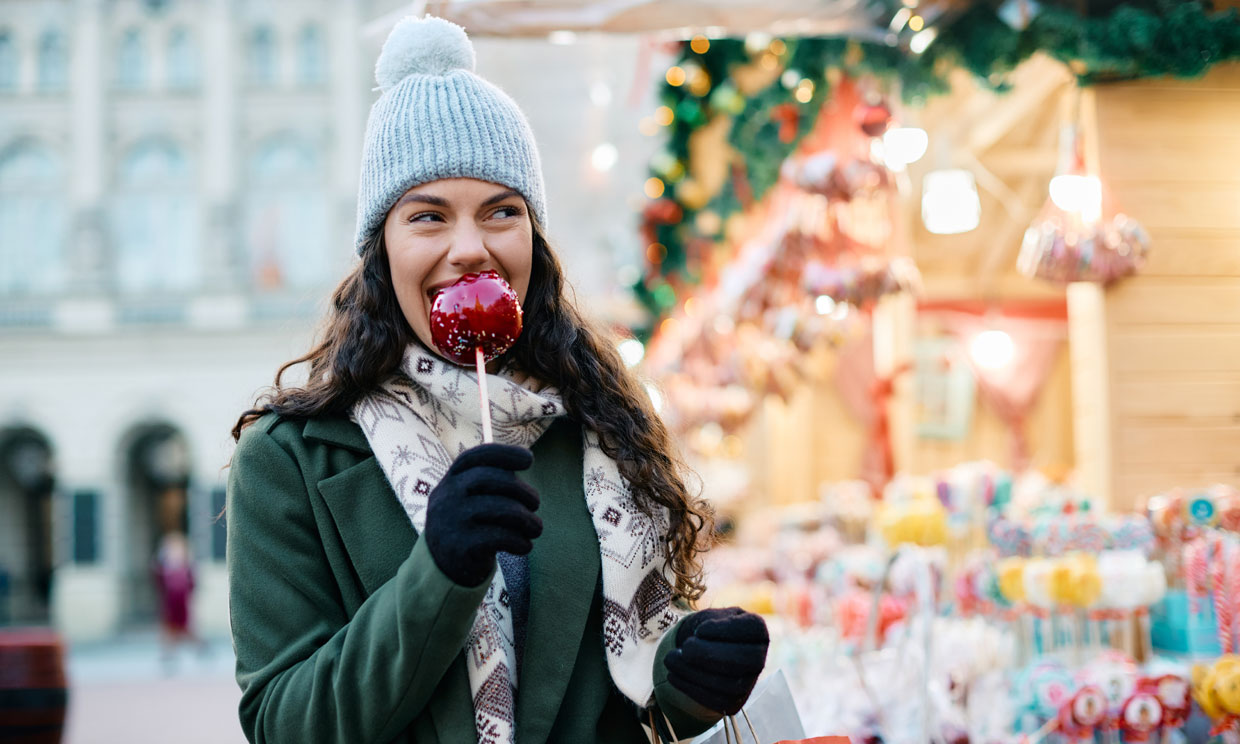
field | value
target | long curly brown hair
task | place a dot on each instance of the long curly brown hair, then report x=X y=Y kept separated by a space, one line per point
x=364 y=339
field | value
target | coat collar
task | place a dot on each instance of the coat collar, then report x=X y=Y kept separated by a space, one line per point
x=339 y=431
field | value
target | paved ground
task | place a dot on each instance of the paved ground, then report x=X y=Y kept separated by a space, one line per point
x=122 y=691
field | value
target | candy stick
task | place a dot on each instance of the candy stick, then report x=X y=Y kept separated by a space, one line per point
x=1233 y=582
x=483 y=399
x=1037 y=736
x=1222 y=608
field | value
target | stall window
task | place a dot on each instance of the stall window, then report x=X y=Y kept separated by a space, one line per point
x=32 y=220
x=262 y=56
x=156 y=220
x=8 y=62
x=53 y=62
x=183 y=67
x=311 y=57
x=287 y=223
x=131 y=60
x=85 y=526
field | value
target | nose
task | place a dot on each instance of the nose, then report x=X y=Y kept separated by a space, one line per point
x=468 y=251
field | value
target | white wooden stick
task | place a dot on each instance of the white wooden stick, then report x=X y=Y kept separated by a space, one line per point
x=483 y=399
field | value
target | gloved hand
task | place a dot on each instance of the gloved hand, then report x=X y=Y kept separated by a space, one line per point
x=718 y=656
x=480 y=508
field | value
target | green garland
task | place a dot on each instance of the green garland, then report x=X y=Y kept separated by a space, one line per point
x=1132 y=40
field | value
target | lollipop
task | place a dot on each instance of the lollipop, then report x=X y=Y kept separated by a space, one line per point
x=474 y=321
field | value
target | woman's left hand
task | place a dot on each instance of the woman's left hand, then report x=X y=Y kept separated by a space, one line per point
x=718 y=656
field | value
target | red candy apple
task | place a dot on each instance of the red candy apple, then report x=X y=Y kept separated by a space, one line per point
x=480 y=310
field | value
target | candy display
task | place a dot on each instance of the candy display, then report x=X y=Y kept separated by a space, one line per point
x=974 y=605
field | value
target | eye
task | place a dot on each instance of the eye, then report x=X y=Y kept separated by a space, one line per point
x=426 y=217
x=509 y=210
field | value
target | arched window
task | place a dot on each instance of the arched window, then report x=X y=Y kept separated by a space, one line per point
x=8 y=62
x=33 y=220
x=53 y=62
x=131 y=60
x=183 y=68
x=262 y=56
x=286 y=231
x=156 y=220
x=311 y=56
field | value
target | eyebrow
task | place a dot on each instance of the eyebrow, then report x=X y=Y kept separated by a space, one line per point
x=439 y=201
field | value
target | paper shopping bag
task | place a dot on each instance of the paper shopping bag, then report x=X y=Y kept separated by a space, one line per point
x=772 y=716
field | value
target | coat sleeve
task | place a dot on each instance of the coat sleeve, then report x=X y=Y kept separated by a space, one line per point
x=308 y=672
x=688 y=717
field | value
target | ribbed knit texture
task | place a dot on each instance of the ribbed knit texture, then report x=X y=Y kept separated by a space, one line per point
x=450 y=125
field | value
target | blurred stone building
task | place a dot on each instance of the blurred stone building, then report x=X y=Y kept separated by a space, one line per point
x=177 y=190
x=177 y=186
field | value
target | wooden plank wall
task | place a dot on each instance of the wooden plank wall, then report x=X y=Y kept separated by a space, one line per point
x=1170 y=151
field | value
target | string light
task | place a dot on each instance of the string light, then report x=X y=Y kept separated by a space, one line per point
x=700 y=44
x=604 y=157
x=654 y=187
x=805 y=91
x=675 y=76
x=992 y=349
x=916 y=23
x=922 y=40
x=1079 y=194
x=904 y=145
x=778 y=47
x=655 y=253
x=631 y=351
x=949 y=202
x=663 y=116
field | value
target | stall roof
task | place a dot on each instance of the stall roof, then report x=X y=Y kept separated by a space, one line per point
x=673 y=18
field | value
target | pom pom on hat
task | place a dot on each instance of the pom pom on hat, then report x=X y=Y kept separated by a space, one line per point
x=423 y=46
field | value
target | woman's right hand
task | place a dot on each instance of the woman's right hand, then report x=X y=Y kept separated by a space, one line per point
x=481 y=508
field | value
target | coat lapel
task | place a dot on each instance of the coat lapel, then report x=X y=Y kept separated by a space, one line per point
x=372 y=524
x=564 y=570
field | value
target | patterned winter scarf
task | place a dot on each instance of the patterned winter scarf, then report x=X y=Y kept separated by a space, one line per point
x=426 y=415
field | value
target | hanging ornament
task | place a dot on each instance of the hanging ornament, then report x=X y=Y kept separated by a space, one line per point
x=1079 y=235
x=874 y=118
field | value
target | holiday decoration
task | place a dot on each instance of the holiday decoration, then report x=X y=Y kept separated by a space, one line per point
x=764 y=97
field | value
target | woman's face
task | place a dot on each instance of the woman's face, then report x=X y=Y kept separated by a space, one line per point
x=442 y=230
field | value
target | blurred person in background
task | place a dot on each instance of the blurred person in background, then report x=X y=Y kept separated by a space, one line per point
x=173 y=572
x=393 y=578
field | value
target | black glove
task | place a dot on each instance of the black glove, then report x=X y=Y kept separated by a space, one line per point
x=480 y=508
x=718 y=657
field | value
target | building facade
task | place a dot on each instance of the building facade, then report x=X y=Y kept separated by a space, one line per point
x=178 y=182
x=177 y=191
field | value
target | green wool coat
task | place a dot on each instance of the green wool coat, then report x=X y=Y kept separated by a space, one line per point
x=346 y=631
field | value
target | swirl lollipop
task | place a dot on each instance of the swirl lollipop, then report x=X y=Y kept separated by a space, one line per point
x=474 y=321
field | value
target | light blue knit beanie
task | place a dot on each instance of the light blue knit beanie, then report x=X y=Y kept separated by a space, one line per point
x=437 y=119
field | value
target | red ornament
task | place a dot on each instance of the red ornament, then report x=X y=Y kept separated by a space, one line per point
x=874 y=119
x=480 y=310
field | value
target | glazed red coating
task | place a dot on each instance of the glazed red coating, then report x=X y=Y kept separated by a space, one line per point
x=479 y=310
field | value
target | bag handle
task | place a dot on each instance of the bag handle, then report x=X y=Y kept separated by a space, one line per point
x=728 y=721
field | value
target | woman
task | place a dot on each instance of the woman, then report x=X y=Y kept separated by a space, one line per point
x=391 y=578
